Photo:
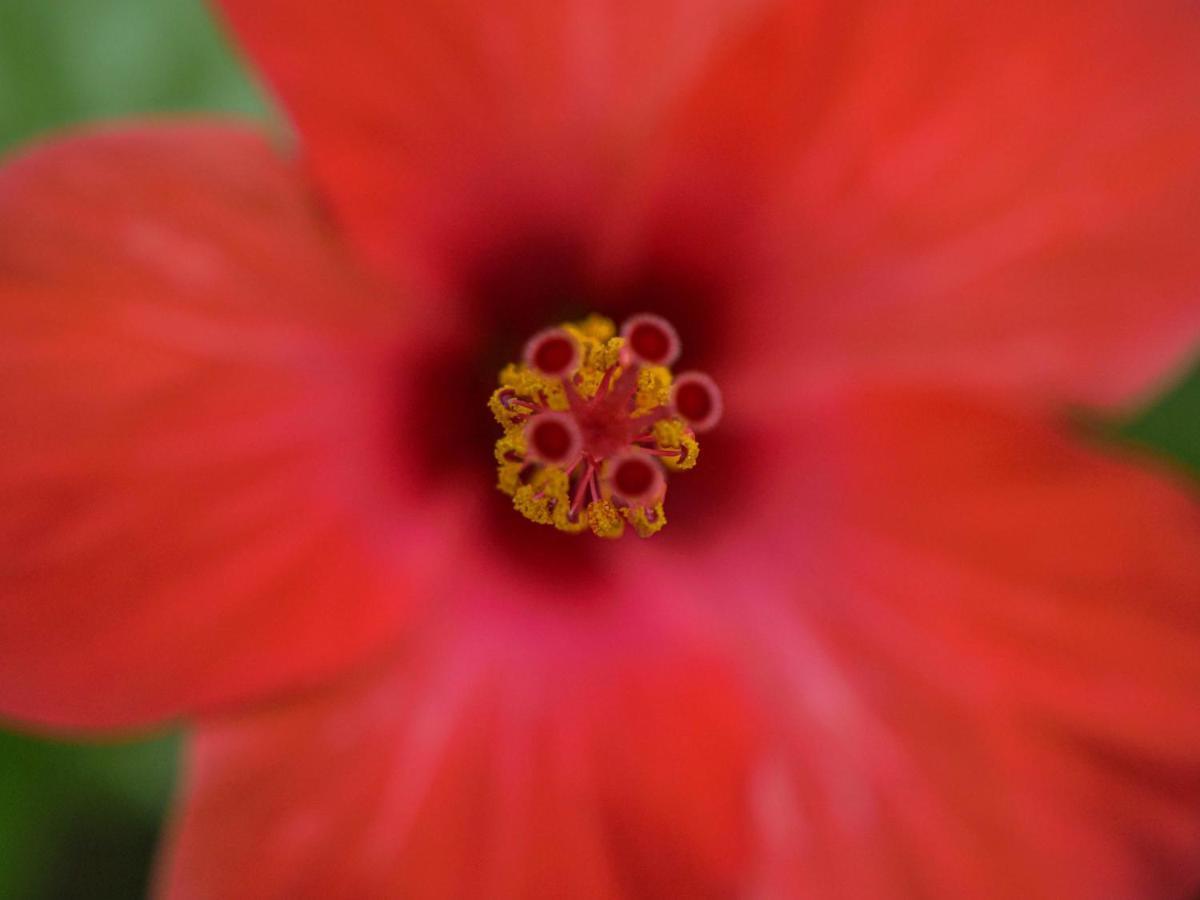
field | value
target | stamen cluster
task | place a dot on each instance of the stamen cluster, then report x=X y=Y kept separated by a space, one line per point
x=590 y=420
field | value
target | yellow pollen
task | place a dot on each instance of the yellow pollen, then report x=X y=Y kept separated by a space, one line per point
x=510 y=458
x=654 y=389
x=618 y=406
x=605 y=520
x=645 y=521
x=541 y=498
x=673 y=434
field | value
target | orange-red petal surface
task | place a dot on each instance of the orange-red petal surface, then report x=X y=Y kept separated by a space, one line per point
x=414 y=115
x=184 y=431
x=606 y=757
x=971 y=662
x=973 y=641
x=987 y=193
x=999 y=193
x=980 y=639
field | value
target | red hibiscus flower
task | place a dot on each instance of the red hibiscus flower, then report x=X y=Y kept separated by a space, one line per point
x=909 y=633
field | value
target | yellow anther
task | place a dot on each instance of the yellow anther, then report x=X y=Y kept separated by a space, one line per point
x=606 y=354
x=595 y=328
x=674 y=434
x=508 y=477
x=533 y=505
x=507 y=416
x=605 y=520
x=512 y=374
x=599 y=351
x=653 y=390
x=532 y=386
x=645 y=521
x=587 y=382
x=540 y=499
x=606 y=426
x=511 y=447
x=510 y=459
x=689 y=456
x=562 y=519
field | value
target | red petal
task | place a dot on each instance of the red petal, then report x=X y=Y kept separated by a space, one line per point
x=978 y=646
x=996 y=193
x=986 y=641
x=1002 y=193
x=431 y=108
x=593 y=756
x=186 y=416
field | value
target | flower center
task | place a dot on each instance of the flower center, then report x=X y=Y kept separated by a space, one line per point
x=590 y=420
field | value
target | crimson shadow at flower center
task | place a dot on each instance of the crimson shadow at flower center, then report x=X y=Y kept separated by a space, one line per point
x=515 y=290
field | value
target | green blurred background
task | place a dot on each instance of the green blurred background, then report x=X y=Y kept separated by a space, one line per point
x=82 y=821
